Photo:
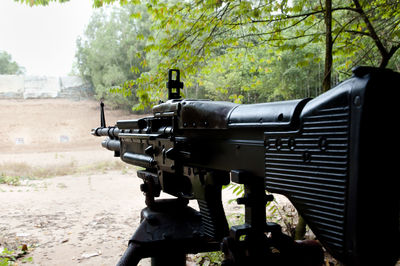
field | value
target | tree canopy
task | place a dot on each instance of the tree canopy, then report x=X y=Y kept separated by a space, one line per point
x=198 y=35
x=109 y=53
x=237 y=50
x=40 y=2
x=8 y=66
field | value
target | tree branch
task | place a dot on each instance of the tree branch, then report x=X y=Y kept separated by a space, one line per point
x=363 y=33
x=372 y=32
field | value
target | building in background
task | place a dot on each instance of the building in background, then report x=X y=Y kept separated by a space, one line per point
x=40 y=87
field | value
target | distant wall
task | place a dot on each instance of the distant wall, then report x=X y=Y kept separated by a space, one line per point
x=11 y=86
x=34 y=87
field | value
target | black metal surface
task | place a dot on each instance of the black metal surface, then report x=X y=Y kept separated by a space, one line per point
x=205 y=114
x=132 y=124
x=111 y=132
x=110 y=144
x=275 y=114
x=311 y=168
x=375 y=165
x=102 y=116
x=138 y=159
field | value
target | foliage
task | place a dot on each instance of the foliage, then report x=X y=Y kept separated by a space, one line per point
x=246 y=51
x=209 y=258
x=110 y=54
x=40 y=2
x=223 y=47
x=8 y=66
x=285 y=215
x=10 y=256
x=47 y=2
x=262 y=75
x=367 y=31
x=9 y=180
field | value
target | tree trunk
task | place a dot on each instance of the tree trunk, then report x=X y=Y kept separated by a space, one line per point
x=384 y=61
x=387 y=56
x=326 y=84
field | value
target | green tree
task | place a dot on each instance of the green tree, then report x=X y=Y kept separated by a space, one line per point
x=190 y=34
x=195 y=31
x=110 y=54
x=8 y=66
x=379 y=22
x=261 y=75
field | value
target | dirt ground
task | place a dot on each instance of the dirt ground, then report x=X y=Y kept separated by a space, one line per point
x=51 y=125
x=83 y=218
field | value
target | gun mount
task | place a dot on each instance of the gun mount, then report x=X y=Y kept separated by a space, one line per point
x=331 y=156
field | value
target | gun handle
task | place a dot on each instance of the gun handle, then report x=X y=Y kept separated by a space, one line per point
x=207 y=190
x=213 y=216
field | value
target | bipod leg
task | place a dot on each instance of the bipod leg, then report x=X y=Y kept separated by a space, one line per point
x=246 y=243
x=134 y=253
x=130 y=257
x=168 y=231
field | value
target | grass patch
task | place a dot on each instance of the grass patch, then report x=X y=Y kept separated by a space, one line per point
x=10 y=256
x=209 y=258
x=105 y=166
x=26 y=171
x=15 y=173
x=9 y=180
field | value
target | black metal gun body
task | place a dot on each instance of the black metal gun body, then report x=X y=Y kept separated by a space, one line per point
x=329 y=155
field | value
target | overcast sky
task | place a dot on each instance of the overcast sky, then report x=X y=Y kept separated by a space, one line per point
x=42 y=39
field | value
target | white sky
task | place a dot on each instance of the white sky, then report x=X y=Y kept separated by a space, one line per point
x=42 y=39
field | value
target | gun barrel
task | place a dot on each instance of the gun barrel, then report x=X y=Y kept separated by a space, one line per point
x=111 y=132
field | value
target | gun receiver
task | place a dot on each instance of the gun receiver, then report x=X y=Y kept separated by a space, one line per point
x=331 y=156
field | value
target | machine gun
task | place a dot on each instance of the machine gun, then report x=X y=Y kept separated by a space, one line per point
x=331 y=156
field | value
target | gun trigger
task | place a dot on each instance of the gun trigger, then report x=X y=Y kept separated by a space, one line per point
x=173 y=154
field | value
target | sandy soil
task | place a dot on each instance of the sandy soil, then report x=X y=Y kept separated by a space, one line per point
x=51 y=125
x=79 y=219
x=82 y=219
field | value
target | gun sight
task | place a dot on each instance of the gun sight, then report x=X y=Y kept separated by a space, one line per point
x=174 y=85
